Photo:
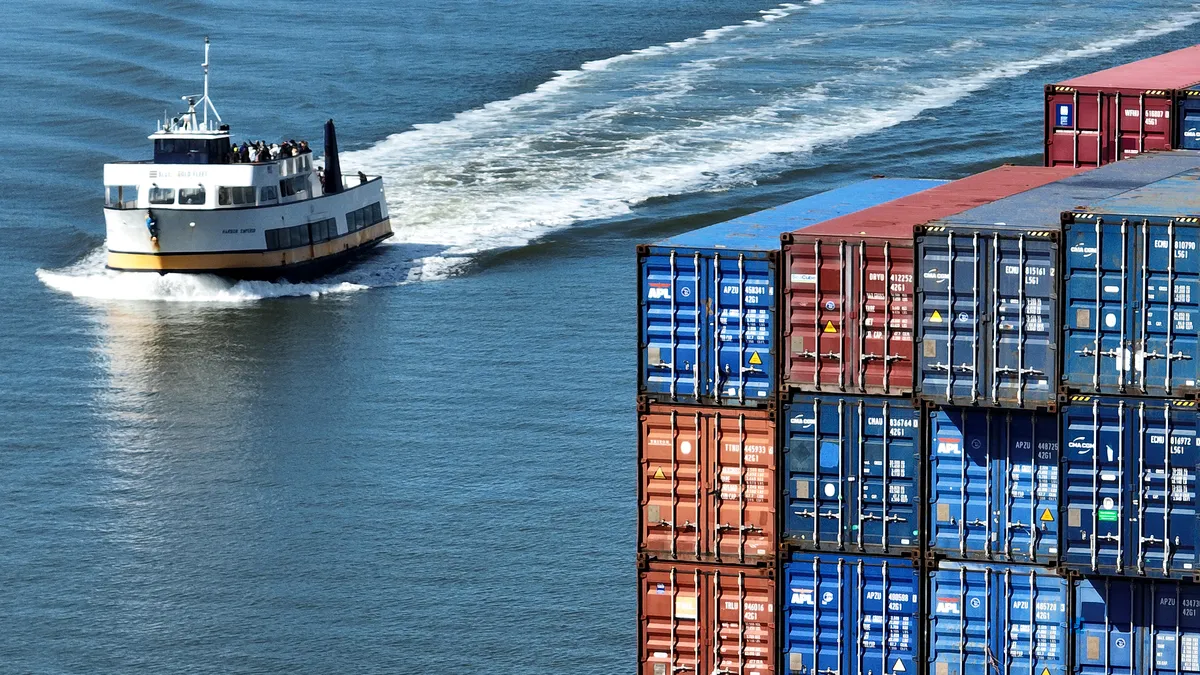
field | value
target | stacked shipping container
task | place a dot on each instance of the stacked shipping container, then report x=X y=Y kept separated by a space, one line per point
x=986 y=451
x=708 y=521
x=1114 y=114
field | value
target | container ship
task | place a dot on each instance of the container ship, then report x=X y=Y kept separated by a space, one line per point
x=940 y=427
x=205 y=205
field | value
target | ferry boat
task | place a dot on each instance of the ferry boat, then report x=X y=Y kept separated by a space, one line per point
x=200 y=206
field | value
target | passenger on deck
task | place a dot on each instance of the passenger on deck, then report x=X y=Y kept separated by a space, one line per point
x=362 y=178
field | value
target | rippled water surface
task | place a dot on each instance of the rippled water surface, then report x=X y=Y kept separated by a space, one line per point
x=424 y=463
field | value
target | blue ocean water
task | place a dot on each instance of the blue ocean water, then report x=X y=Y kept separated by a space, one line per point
x=424 y=463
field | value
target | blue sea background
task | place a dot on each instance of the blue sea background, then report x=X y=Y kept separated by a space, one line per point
x=425 y=463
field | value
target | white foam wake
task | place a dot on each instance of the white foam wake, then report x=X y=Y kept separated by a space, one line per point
x=708 y=113
x=89 y=279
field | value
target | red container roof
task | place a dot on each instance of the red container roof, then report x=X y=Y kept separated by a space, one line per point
x=1174 y=70
x=897 y=218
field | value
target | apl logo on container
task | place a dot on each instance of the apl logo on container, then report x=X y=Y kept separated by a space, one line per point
x=659 y=291
x=947 y=606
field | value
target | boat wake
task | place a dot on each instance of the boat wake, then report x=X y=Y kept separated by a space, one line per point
x=88 y=278
x=714 y=112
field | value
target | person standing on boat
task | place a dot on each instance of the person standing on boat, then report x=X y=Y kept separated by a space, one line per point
x=152 y=225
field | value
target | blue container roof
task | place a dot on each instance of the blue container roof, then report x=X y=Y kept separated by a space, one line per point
x=1178 y=195
x=760 y=231
x=1041 y=208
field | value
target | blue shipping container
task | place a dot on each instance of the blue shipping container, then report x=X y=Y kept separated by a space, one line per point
x=996 y=619
x=708 y=298
x=1148 y=627
x=1189 y=121
x=1129 y=505
x=851 y=616
x=1133 y=292
x=853 y=474
x=994 y=484
x=988 y=288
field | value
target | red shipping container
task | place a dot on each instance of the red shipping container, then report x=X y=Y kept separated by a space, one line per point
x=707 y=487
x=702 y=619
x=1112 y=114
x=849 y=289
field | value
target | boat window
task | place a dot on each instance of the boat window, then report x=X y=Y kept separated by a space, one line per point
x=162 y=195
x=269 y=194
x=235 y=196
x=191 y=196
x=120 y=196
x=364 y=217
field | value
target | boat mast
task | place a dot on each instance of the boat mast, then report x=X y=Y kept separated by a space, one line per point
x=208 y=104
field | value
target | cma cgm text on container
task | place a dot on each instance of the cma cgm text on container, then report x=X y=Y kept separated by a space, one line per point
x=1113 y=114
x=1132 y=319
x=849 y=305
x=989 y=288
x=708 y=298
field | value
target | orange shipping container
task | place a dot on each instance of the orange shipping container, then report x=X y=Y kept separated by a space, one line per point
x=703 y=619
x=707 y=487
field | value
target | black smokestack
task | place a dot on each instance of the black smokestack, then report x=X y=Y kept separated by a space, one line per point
x=333 y=169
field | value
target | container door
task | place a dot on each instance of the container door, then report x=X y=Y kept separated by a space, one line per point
x=1095 y=485
x=884 y=317
x=817 y=615
x=742 y=507
x=952 y=297
x=1025 y=470
x=817 y=491
x=1072 y=122
x=1167 y=324
x=1023 y=321
x=740 y=609
x=674 y=486
x=672 y=635
x=962 y=492
x=960 y=614
x=886 y=597
x=1174 y=632
x=1032 y=611
x=817 y=294
x=850 y=485
x=1106 y=611
x=673 y=318
x=887 y=449
x=1163 y=488
x=744 y=362
x=1189 y=122
x=1141 y=123
x=1099 y=307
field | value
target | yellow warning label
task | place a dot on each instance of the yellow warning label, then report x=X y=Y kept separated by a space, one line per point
x=936 y=318
x=1045 y=671
x=1047 y=516
x=755 y=360
x=829 y=327
x=659 y=473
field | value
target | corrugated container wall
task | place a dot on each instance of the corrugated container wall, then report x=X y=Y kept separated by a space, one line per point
x=1189 y=119
x=1129 y=503
x=1113 y=114
x=989 y=288
x=707 y=489
x=707 y=298
x=852 y=616
x=996 y=619
x=994 y=484
x=849 y=305
x=1135 y=626
x=1132 y=324
x=853 y=474
x=705 y=619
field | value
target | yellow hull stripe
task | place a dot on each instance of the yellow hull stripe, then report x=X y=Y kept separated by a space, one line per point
x=184 y=262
